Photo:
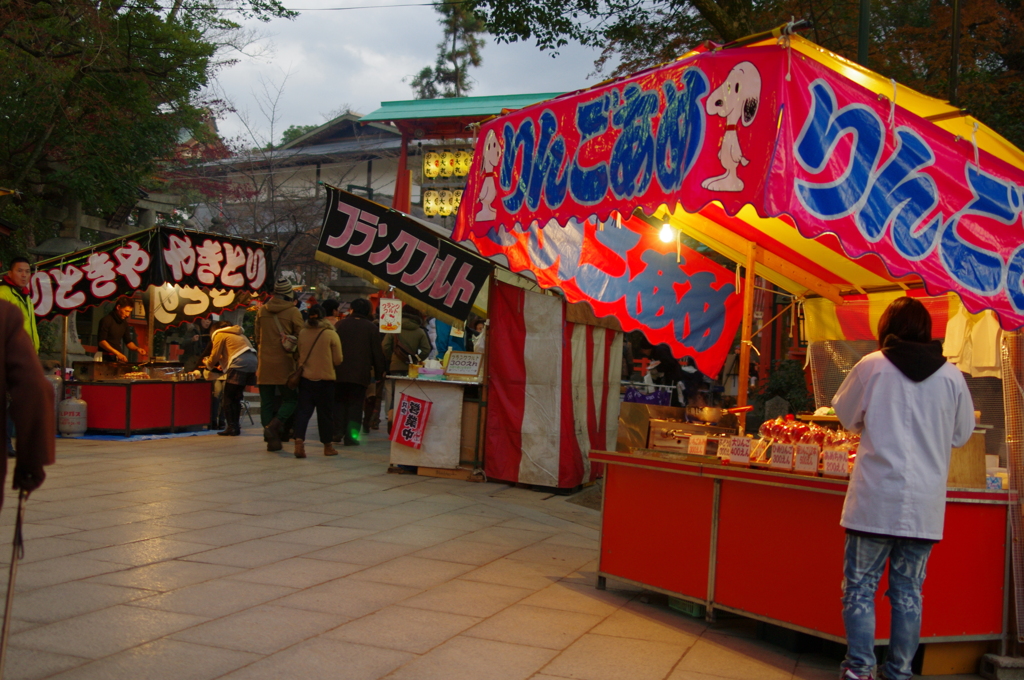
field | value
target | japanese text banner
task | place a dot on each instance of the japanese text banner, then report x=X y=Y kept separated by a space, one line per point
x=776 y=130
x=388 y=248
x=183 y=259
x=676 y=297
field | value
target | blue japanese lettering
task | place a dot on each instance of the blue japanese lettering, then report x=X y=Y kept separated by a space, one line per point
x=1015 y=279
x=589 y=184
x=815 y=147
x=681 y=129
x=548 y=176
x=518 y=144
x=632 y=161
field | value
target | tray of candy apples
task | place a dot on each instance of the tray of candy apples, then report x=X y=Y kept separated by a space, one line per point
x=787 y=430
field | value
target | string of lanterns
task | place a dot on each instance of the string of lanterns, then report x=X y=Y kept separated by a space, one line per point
x=444 y=164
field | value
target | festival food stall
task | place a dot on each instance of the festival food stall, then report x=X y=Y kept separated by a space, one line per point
x=823 y=179
x=182 y=275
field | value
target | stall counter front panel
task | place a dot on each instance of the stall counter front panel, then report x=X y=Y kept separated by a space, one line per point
x=769 y=546
x=131 y=407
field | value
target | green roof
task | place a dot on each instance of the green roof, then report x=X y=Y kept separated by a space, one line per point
x=455 y=107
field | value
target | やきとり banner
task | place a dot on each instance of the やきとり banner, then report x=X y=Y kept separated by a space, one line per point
x=766 y=126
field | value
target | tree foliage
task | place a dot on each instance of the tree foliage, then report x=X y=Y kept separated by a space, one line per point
x=94 y=95
x=456 y=53
x=295 y=131
x=910 y=39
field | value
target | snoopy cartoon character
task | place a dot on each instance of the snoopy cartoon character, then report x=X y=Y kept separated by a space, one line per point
x=488 y=188
x=735 y=100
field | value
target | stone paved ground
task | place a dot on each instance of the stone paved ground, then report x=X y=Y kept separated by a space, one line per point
x=207 y=557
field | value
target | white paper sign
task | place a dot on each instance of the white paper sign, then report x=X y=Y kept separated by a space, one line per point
x=837 y=463
x=698 y=445
x=390 y=315
x=783 y=456
x=807 y=458
x=739 y=451
x=464 y=364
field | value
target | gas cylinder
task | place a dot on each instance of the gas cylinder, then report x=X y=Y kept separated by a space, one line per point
x=58 y=391
x=73 y=416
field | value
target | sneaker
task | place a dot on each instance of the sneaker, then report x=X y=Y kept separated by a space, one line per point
x=847 y=674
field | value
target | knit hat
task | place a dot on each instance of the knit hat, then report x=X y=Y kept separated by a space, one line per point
x=283 y=287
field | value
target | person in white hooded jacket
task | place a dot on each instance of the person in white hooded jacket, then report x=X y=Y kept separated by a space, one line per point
x=910 y=407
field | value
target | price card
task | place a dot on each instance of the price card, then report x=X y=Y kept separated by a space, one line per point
x=698 y=445
x=837 y=463
x=783 y=456
x=739 y=451
x=464 y=365
x=807 y=458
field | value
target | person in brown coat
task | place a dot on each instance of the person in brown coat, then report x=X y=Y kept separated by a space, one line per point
x=363 y=353
x=319 y=353
x=30 y=399
x=278 y=402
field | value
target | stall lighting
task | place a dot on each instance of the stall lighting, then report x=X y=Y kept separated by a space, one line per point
x=667 y=233
x=431 y=164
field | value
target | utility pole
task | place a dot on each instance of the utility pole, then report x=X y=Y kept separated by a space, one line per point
x=954 y=60
x=863 y=32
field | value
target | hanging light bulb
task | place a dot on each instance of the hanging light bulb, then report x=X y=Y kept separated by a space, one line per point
x=667 y=233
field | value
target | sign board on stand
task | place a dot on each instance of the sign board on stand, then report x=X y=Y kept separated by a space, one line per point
x=390 y=315
x=739 y=451
x=464 y=366
x=783 y=456
x=837 y=463
x=698 y=445
x=807 y=458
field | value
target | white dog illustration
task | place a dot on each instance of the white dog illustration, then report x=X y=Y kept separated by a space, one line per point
x=736 y=99
x=488 y=188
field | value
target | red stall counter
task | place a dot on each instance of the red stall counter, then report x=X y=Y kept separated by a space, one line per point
x=768 y=545
x=146 y=406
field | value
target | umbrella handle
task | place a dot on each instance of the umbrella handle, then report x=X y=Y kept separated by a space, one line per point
x=17 y=552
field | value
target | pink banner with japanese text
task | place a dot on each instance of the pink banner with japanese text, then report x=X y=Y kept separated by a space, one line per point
x=764 y=127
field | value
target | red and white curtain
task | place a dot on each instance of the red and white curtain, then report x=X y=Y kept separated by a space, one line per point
x=553 y=391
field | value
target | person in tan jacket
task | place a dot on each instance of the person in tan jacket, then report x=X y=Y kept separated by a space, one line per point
x=277 y=401
x=319 y=353
x=233 y=355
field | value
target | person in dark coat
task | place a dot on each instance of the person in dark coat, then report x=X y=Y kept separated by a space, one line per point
x=28 y=398
x=362 y=353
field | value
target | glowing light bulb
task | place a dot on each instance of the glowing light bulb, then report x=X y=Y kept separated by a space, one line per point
x=667 y=233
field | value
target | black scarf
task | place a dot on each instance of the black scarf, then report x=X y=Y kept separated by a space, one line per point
x=916 y=360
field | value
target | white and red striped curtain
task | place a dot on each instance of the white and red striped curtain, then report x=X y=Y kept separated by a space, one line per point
x=553 y=391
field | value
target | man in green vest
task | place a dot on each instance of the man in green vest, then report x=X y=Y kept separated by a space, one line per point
x=14 y=288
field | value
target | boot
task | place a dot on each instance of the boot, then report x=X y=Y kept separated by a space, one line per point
x=300 y=448
x=329 y=449
x=272 y=435
x=232 y=412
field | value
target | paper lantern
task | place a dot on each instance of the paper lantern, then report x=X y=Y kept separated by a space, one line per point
x=431 y=164
x=463 y=162
x=456 y=199
x=444 y=203
x=431 y=205
x=447 y=168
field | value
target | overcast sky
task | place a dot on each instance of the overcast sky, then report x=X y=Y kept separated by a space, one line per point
x=329 y=60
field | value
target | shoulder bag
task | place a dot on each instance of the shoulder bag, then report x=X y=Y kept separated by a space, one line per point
x=296 y=376
x=290 y=343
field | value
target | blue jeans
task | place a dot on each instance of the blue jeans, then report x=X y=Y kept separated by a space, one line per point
x=863 y=565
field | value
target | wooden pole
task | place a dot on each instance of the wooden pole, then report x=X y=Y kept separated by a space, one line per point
x=151 y=321
x=747 y=328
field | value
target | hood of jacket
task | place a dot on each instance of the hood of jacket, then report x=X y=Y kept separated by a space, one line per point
x=411 y=322
x=230 y=330
x=277 y=304
x=916 y=360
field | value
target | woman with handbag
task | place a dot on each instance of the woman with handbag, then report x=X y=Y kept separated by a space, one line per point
x=319 y=353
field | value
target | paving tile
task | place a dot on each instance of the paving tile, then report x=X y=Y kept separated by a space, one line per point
x=535 y=626
x=165 y=576
x=322 y=536
x=734 y=657
x=200 y=519
x=97 y=520
x=550 y=553
x=151 y=550
x=32 y=664
x=403 y=628
x=262 y=507
x=104 y=632
x=163 y=660
x=516 y=538
x=348 y=597
x=215 y=598
x=578 y=599
x=468 y=598
x=453 y=520
x=509 y=572
x=60 y=569
x=322 y=659
x=65 y=600
x=53 y=546
x=225 y=534
x=465 y=552
x=288 y=520
x=251 y=553
x=465 y=658
x=417 y=536
x=261 y=630
x=414 y=572
x=297 y=572
x=372 y=520
x=644 y=622
x=362 y=551
x=125 y=533
x=598 y=657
